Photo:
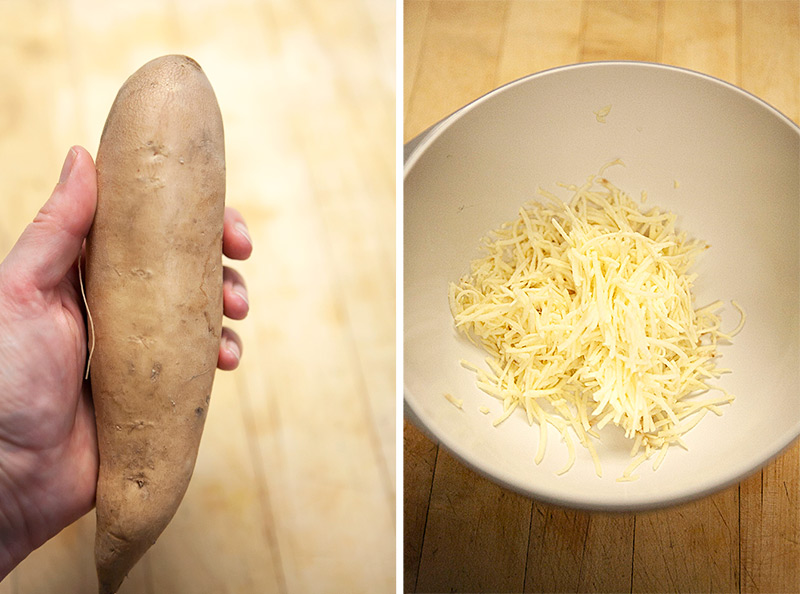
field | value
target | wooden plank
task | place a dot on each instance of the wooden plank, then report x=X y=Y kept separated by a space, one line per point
x=701 y=35
x=462 y=44
x=608 y=555
x=358 y=208
x=333 y=520
x=105 y=44
x=555 y=549
x=623 y=30
x=415 y=15
x=690 y=548
x=419 y=461
x=578 y=551
x=320 y=451
x=770 y=517
x=539 y=34
x=770 y=47
x=37 y=110
x=476 y=534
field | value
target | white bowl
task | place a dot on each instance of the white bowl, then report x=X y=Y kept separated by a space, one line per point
x=736 y=164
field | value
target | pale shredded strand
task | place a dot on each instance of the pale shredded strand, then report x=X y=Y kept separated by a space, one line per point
x=586 y=311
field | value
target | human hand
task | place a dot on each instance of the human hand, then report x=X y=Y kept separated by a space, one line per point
x=48 y=441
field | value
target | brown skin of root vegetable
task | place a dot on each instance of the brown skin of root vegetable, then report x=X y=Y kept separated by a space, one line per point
x=154 y=294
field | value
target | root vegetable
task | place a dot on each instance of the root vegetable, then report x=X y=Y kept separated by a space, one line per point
x=154 y=293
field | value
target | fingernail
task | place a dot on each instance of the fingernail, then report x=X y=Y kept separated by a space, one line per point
x=241 y=292
x=233 y=349
x=66 y=168
x=242 y=229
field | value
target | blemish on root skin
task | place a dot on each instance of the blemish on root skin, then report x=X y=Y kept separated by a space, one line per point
x=157 y=148
x=139 y=479
x=141 y=340
x=151 y=182
x=139 y=425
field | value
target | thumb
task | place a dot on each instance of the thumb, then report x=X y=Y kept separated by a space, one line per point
x=49 y=246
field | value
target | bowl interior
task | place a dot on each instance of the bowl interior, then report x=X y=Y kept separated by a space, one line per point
x=726 y=163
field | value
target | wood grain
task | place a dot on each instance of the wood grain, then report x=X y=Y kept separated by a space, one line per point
x=420 y=455
x=464 y=36
x=538 y=36
x=624 y=30
x=577 y=551
x=691 y=548
x=414 y=19
x=701 y=35
x=742 y=539
x=470 y=519
x=294 y=488
x=608 y=554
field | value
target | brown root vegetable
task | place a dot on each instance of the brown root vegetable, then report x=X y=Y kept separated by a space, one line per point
x=154 y=294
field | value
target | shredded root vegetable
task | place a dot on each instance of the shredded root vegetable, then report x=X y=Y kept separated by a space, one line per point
x=585 y=309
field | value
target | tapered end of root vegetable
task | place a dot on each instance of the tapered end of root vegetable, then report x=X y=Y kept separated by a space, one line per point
x=133 y=512
x=134 y=509
x=114 y=558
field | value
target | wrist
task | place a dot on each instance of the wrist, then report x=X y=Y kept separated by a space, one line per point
x=15 y=542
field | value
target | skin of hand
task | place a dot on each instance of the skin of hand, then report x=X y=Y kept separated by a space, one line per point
x=48 y=441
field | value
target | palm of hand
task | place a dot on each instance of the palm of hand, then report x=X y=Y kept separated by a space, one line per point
x=47 y=437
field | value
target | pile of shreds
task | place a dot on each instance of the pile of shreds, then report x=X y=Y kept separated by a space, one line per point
x=586 y=311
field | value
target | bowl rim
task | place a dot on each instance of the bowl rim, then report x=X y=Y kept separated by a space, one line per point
x=417 y=146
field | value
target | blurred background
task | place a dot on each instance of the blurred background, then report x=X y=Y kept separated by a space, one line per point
x=294 y=488
x=463 y=533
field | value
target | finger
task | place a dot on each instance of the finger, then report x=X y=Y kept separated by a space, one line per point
x=230 y=350
x=49 y=246
x=235 y=304
x=236 y=242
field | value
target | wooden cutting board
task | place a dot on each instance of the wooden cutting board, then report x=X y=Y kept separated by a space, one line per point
x=462 y=533
x=294 y=489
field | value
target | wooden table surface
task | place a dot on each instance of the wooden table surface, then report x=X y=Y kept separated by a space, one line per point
x=294 y=489
x=462 y=533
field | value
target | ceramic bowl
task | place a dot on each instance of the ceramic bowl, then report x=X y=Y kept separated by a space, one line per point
x=725 y=162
